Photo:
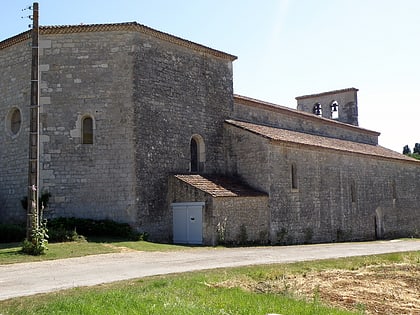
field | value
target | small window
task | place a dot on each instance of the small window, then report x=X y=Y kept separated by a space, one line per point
x=394 y=190
x=317 y=110
x=334 y=110
x=14 y=121
x=194 y=156
x=197 y=154
x=87 y=130
x=294 y=176
x=353 y=192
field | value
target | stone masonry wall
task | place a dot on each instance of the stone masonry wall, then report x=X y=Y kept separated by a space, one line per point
x=178 y=93
x=15 y=65
x=241 y=220
x=338 y=196
x=88 y=74
x=247 y=157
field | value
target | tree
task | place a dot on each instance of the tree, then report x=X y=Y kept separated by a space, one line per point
x=406 y=150
x=416 y=148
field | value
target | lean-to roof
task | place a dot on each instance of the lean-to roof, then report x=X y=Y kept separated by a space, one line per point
x=219 y=186
x=298 y=138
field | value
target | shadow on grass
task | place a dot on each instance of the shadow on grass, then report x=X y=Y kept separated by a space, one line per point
x=11 y=246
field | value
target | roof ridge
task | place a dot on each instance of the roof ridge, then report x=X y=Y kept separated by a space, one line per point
x=124 y=26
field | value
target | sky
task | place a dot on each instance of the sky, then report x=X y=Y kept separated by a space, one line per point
x=285 y=48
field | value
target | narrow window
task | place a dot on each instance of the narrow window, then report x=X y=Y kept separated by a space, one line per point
x=317 y=110
x=197 y=154
x=394 y=190
x=294 y=176
x=334 y=110
x=353 y=192
x=194 y=156
x=87 y=130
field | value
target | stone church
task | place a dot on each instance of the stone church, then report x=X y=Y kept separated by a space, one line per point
x=143 y=127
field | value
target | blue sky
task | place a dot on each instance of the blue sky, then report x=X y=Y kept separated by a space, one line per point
x=285 y=48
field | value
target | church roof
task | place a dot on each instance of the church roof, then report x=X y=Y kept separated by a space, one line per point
x=128 y=26
x=309 y=140
x=219 y=186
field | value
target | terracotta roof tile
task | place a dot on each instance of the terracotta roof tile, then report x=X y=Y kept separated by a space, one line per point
x=220 y=186
x=288 y=136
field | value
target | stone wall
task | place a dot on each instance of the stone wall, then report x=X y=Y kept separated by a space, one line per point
x=337 y=196
x=247 y=157
x=88 y=75
x=178 y=93
x=241 y=220
x=15 y=64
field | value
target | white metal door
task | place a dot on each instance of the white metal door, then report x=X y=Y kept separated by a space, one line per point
x=188 y=222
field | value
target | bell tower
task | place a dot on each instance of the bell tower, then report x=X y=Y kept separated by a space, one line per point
x=340 y=105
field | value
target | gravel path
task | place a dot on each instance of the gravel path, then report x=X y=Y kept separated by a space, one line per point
x=53 y=275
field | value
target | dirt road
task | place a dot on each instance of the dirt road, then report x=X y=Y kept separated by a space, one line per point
x=61 y=274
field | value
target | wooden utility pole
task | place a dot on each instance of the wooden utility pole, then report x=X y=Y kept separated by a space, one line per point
x=33 y=180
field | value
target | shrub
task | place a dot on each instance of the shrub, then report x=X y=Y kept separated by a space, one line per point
x=61 y=234
x=10 y=233
x=243 y=235
x=281 y=236
x=90 y=227
x=308 y=234
x=38 y=242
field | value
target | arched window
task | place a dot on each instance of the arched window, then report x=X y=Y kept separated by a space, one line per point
x=317 y=110
x=87 y=130
x=194 y=156
x=334 y=109
x=197 y=154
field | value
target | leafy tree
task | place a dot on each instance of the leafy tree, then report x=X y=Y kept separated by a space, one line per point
x=406 y=150
x=416 y=148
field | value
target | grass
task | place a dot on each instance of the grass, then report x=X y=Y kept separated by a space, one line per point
x=191 y=293
x=10 y=252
